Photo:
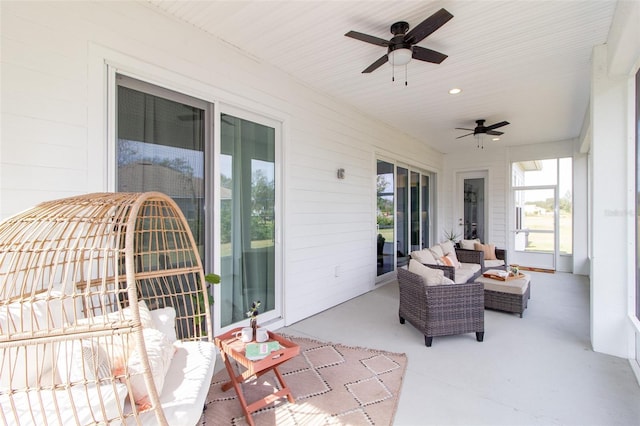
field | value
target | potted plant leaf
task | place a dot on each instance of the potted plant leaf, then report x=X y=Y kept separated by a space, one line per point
x=200 y=301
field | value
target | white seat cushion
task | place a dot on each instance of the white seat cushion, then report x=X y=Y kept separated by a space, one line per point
x=186 y=384
x=466 y=271
x=35 y=408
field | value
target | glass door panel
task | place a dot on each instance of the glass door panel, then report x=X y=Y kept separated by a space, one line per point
x=474 y=208
x=425 y=219
x=415 y=211
x=160 y=147
x=535 y=215
x=247 y=220
x=402 y=216
x=385 y=217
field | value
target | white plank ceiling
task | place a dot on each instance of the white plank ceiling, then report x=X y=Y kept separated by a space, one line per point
x=526 y=62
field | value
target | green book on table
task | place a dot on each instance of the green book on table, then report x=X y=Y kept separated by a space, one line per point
x=256 y=351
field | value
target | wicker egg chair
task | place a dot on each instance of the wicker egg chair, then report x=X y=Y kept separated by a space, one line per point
x=103 y=314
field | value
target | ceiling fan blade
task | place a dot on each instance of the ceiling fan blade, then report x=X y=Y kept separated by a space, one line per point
x=367 y=38
x=495 y=126
x=494 y=133
x=462 y=128
x=428 y=55
x=383 y=59
x=428 y=26
x=464 y=135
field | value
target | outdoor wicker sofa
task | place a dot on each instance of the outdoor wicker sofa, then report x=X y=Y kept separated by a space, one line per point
x=441 y=310
x=470 y=264
x=103 y=317
x=477 y=256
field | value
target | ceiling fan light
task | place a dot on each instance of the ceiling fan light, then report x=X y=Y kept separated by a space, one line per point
x=400 y=56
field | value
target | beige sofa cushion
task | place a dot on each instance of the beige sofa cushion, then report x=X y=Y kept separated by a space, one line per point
x=429 y=275
x=468 y=244
x=437 y=251
x=466 y=271
x=424 y=256
x=518 y=286
x=447 y=247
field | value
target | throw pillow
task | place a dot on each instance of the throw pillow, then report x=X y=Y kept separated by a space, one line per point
x=429 y=275
x=80 y=360
x=424 y=256
x=447 y=247
x=489 y=250
x=119 y=346
x=437 y=251
x=159 y=354
x=450 y=260
x=468 y=244
x=164 y=320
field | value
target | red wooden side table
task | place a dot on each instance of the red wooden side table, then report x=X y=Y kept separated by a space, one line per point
x=231 y=347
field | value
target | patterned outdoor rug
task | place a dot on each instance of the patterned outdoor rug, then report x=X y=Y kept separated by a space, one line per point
x=331 y=383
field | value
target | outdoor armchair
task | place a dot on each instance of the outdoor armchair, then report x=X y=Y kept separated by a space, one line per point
x=443 y=309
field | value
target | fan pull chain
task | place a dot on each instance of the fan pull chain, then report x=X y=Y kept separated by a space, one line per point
x=393 y=73
x=405 y=75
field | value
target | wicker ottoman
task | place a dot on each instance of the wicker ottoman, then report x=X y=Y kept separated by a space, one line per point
x=508 y=296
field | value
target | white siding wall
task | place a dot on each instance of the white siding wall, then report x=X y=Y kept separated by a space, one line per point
x=53 y=141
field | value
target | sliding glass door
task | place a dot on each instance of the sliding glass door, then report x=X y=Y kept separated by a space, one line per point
x=165 y=143
x=247 y=218
x=403 y=218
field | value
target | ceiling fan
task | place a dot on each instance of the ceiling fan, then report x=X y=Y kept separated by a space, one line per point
x=401 y=48
x=481 y=129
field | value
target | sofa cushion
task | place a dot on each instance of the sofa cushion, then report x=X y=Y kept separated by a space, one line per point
x=466 y=272
x=424 y=256
x=429 y=275
x=437 y=251
x=159 y=354
x=447 y=247
x=468 y=244
x=450 y=260
x=489 y=250
x=186 y=385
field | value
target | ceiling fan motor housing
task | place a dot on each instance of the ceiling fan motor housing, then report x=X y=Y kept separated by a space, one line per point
x=480 y=127
x=399 y=28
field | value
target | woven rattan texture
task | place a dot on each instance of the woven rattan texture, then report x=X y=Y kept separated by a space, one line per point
x=65 y=265
x=440 y=310
x=508 y=302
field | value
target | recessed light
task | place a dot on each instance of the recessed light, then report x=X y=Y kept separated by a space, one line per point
x=455 y=91
x=495 y=139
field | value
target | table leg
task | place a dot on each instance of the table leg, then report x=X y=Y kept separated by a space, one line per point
x=284 y=385
x=236 y=385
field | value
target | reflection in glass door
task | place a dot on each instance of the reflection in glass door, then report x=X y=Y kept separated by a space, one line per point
x=247 y=218
x=385 y=189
